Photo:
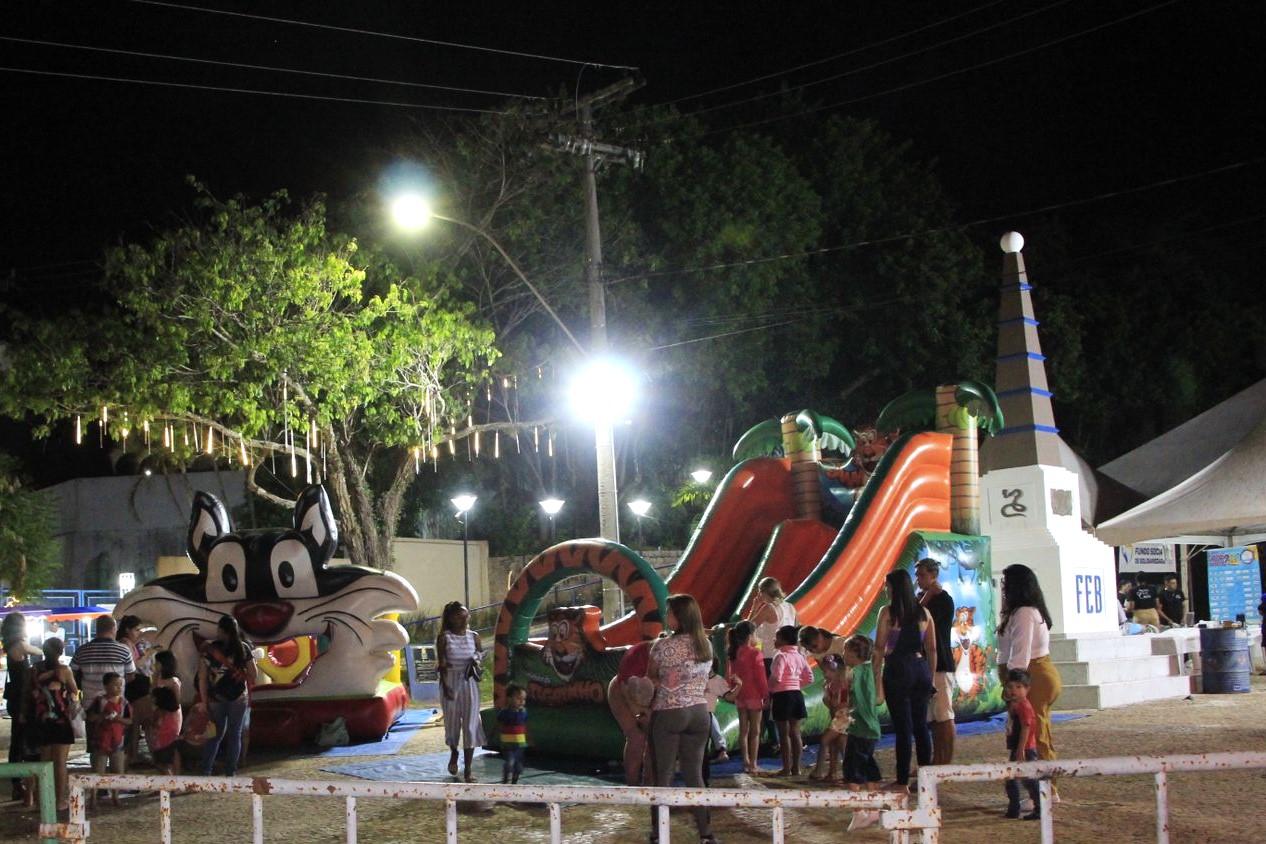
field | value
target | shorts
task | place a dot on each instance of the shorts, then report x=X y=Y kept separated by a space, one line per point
x=860 y=766
x=788 y=706
x=1147 y=617
x=941 y=706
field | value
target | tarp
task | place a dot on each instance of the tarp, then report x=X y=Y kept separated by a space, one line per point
x=1222 y=502
x=59 y=613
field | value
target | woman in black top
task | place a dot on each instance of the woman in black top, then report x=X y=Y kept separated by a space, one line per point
x=17 y=652
x=905 y=657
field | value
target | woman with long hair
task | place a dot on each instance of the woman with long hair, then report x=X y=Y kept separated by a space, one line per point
x=771 y=611
x=54 y=701
x=460 y=653
x=136 y=690
x=18 y=652
x=1024 y=642
x=746 y=666
x=904 y=660
x=680 y=722
x=226 y=671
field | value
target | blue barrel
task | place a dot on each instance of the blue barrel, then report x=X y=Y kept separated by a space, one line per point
x=1225 y=664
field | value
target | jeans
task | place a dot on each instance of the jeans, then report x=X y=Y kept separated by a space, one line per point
x=907 y=688
x=228 y=718
x=513 y=765
x=1013 y=786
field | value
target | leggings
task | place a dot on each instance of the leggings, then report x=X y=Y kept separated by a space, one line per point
x=680 y=735
x=907 y=689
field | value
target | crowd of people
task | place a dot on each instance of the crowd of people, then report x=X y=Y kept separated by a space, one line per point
x=115 y=691
x=1143 y=607
x=664 y=694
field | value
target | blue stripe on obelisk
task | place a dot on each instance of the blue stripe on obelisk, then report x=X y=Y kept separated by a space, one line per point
x=1029 y=355
x=1037 y=391
x=1024 y=288
x=1023 y=319
x=1029 y=429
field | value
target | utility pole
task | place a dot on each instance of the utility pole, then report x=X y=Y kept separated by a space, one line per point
x=596 y=154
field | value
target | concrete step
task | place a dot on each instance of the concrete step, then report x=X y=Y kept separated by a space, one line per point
x=1095 y=648
x=1107 y=695
x=1116 y=670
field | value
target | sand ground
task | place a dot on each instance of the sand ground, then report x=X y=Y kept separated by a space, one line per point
x=1221 y=807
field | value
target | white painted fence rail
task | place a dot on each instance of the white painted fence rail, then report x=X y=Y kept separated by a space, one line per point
x=1111 y=766
x=890 y=805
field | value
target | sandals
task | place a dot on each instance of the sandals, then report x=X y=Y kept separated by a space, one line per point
x=452 y=768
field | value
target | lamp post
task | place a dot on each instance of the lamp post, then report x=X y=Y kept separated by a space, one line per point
x=701 y=476
x=640 y=507
x=552 y=507
x=463 y=503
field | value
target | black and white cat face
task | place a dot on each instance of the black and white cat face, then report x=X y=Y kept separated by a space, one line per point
x=277 y=585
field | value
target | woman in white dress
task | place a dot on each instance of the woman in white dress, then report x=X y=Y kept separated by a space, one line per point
x=458 y=649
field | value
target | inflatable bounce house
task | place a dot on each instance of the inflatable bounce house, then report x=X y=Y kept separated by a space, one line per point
x=829 y=529
x=327 y=645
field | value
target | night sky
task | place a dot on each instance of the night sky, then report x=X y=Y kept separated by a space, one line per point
x=1103 y=97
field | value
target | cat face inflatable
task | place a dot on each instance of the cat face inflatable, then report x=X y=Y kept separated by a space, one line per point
x=319 y=626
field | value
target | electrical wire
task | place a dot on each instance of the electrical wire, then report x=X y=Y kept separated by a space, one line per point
x=843 y=55
x=258 y=91
x=269 y=68
x=948 y=74
x=1226 y=168
x=354 y=31
x=881 y=63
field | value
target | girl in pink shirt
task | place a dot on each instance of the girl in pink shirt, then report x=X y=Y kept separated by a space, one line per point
x=748 y=668
x=789 y=673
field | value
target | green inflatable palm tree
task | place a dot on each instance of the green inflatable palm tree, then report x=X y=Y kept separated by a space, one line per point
x=799 y=437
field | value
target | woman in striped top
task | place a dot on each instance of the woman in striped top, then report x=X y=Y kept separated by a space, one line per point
x=458 y=650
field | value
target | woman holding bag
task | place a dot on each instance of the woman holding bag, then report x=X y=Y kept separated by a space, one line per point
x=460 y=653
x=51 y=714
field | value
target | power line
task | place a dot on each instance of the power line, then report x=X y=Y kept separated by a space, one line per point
x=882 y=62
x=269 y=68
x=1226 y=168
x=907 y=86
x=354 y=31
x=843 y=55
x=259 y=91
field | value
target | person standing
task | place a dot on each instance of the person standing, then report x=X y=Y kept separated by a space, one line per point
x=226 y=671
x=629 y=696
x=18 y=652
x=940 y=605
x=53 y=702
x=99 y=657
x=136 y=690
x=1024 y=644
x=1144 y=602
x=680 y=723
x=905 y=659
x=460 y=655
x=771 y=611
x=1173 y=603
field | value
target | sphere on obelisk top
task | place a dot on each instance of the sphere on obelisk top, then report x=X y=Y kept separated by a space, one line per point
x=1011 y=242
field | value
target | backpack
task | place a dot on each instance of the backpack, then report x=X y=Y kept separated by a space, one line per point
x=48 y=705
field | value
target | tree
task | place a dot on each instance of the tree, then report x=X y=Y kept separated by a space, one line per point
x=255 y=333
x=30 y=554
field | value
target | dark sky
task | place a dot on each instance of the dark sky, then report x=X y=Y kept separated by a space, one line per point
x=1166 y=93
x=1103 y=96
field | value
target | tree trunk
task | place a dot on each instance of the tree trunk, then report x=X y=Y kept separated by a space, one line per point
x=954 y=419
x=806 y=490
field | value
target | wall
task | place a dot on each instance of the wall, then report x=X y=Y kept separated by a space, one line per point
x=434 y=568
x=126 y=523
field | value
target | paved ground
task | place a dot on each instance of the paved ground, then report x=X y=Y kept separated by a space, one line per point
x=1221 y=807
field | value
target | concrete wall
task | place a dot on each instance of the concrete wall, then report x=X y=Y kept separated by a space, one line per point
x=434 y=568
x=126 y=523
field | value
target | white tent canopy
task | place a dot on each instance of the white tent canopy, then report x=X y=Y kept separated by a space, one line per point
x=1225 y=502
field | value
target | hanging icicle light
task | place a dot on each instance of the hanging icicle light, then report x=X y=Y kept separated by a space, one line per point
x=551 y=443
x=307 y=452
x=496 y=445
x=210 y=440
x=166 y=435
x=417 y=460
x=241 y=444
x=79 y=430
x=145 y=429
x=536 y=438
x=435 y=456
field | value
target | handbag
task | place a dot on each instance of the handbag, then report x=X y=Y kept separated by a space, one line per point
x=475 y=671
x=77 y=724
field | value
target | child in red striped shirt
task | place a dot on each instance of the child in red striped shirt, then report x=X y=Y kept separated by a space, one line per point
x=513 y=721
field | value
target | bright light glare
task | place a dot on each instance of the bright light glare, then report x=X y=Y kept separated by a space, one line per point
x=640 y=507
x=701 y=476
x=604 y=391
x=464 y=503
x=552 y=506
x=410 y=211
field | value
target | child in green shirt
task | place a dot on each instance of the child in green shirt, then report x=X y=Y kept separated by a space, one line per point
x=860 y=767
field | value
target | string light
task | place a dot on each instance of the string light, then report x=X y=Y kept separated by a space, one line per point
x=536 y=438
x=307 y=451
x=241 y=444
x=79 y=430
x=551 y=443
x=496 y=445
x=145 y=428
x=435 y=456
x=417 y=460
x=210 y=440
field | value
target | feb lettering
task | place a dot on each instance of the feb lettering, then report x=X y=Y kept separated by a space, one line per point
x=1089 y=593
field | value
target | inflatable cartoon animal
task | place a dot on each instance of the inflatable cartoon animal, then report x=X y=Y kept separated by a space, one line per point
x=320 y=625
x=970 y=661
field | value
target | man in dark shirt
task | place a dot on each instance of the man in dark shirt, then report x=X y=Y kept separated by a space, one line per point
x=1144 y=604
x=1172 y=603
x=940 y=606
x=1125 y=592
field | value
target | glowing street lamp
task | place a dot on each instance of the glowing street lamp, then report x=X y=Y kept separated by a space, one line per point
x=410 y=211
x=464 y=503
x=640 y=507
x=701 y=476
x=552 y=507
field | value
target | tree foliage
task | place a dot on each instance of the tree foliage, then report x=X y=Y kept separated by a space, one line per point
x=30 y=553
x=258 y=324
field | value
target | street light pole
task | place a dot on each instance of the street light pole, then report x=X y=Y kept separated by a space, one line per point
x=464 y=503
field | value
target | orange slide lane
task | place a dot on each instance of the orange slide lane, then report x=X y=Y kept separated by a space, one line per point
x=914 y=495
x=752 y=500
